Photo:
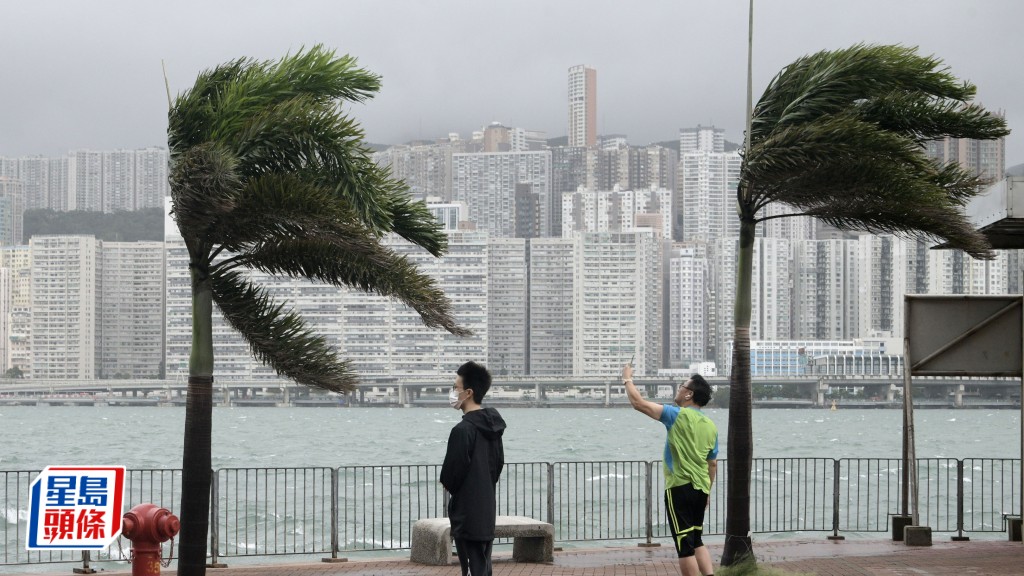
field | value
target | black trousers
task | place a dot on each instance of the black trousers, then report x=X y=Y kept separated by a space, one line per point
x=474 y=556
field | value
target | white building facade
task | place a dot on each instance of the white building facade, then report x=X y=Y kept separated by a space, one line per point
x=616 y=302
x=487 y=183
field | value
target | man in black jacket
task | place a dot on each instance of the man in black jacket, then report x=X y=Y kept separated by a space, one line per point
x=471 y=469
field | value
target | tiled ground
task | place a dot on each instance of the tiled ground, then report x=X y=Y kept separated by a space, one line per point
x=850 y=557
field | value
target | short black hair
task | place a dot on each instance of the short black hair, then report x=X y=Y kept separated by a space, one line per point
x=476 y=378
x=701 y=390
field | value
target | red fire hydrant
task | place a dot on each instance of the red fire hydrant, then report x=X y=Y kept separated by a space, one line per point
x=148 y=525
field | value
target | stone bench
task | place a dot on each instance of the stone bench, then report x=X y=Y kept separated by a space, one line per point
x=533 y=540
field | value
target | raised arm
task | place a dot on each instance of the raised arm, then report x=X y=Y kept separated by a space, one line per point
x=638 y=402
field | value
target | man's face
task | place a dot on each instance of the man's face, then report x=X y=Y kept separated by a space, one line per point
x=684 y=392
x=460 y=392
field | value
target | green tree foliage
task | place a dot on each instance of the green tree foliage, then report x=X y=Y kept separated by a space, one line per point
x=840 y=135
x=141 y=225
x=269 y=173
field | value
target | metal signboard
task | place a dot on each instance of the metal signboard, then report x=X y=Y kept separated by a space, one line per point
x=964 y=335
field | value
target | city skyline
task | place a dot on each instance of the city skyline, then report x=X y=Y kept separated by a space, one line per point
x=456 y=66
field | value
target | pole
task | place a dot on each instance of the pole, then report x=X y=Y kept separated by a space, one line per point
x=910 y=466
x=750 y=79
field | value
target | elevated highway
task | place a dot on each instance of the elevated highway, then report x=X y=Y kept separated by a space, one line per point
x=407 y=391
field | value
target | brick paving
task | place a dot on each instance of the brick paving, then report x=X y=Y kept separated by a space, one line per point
x=811 y=556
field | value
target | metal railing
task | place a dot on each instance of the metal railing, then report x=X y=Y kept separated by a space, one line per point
x=329 y=511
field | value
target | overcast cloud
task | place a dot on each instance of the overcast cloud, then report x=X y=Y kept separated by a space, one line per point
x=79 y=74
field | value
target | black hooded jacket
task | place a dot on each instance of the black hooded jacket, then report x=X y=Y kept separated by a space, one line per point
x=470 y=472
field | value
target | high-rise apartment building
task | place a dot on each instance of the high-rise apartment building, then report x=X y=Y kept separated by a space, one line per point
x=551 y=274
x=883 y=276
x=826 y=290
x=131 y=311
x=687 y=305
x=616 y=302
x=118 y=189
x=770 y=296
x=984 y=158
x=572 y=168
x=582 y=106
x=701 y=139
x=16 y=309
x=612 y=170
x=66 y=288
x=12 y=211
x=488 y=184
x=788 y=227
x=425 y=168
x=95 y=309
x=92 y=180
x=383 y=337
x=771 y=288
x=707 y=189
x=652 y=166
x=617 y=210
x=500 y=138
x=318 y=304
x=43 y=178
x=151 y=173
x=955 y=272
x=85 y=180
x=507 y=306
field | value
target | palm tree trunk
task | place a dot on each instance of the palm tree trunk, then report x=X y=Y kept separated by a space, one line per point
x=196 y=461
x=740 y=448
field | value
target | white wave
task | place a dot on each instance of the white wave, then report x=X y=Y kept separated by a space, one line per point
x=360 y=543
x=13 y=515
x=601 y=477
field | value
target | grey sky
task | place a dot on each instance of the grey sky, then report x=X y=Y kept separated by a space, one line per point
x=87 y=74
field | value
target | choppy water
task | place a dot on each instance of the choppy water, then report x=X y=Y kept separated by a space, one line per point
x=151 y=437
x=279 y=438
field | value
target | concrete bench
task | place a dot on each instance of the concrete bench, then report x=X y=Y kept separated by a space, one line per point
x=533 y=541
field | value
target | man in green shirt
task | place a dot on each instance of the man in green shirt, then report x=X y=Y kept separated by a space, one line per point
x=690 y=465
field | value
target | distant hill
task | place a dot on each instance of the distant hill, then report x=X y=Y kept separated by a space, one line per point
x=136 y=226
x=1017 y=170
x=674 y=144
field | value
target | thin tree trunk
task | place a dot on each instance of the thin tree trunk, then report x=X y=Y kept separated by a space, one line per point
x=740 y=448
x=196 y=460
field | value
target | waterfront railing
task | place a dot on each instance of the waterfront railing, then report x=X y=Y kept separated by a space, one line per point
x=335 y=511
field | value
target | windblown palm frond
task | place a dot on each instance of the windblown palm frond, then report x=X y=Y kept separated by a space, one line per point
x=840 y=136
x=277 y=337
x=267 y=164
x=847 y=128
x=269 y=174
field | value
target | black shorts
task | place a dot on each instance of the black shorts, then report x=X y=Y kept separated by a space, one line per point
x=685 y=506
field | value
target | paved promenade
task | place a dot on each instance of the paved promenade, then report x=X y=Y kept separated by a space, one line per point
x=810 y=556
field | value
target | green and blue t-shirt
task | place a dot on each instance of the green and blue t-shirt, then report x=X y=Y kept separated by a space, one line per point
x=692 y=441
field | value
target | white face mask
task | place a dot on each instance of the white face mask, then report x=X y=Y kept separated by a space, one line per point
x=453 y=399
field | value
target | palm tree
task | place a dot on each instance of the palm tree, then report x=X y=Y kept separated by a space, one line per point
x=840 y=136
x=269 y=174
